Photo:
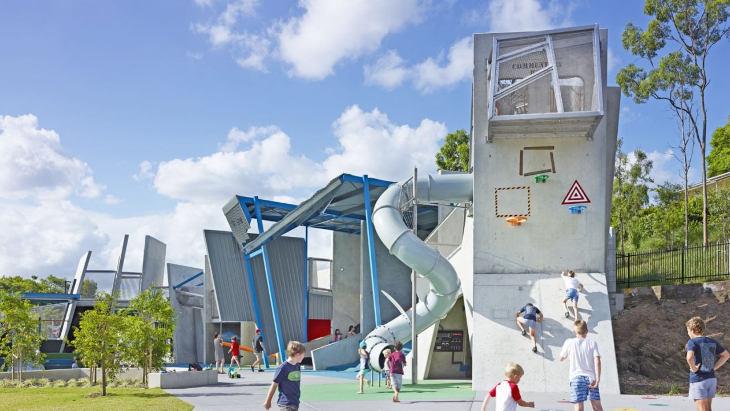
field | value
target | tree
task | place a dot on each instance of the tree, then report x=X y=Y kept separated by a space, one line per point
x=719 y=159
x=148 y=328
x=88 y=289
x=694 y=27
x=18 y=284
x=630 y=192
x=98 y=338
x=19 y=337
x=454 y=154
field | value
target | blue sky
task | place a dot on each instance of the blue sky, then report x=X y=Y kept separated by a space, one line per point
x=146 y=117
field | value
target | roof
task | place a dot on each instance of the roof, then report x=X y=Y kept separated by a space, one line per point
x=338 y=206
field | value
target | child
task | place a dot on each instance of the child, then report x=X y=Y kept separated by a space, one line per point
x=235 y=352
x=258 y=350
x=397 y=362
x=585 y=368
x=338 y=335
x=701 y=353
x=364 y=366
x=506 y=392
x=572 y=286
x=287 y=378
x=532 y=314
x=386 y=369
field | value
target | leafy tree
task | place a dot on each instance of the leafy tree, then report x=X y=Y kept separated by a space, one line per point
x=630 y=193
x=719 y=209
x=98 y=339
x=719 y=158
x=18 y=284
x=19 y=337
x=148 y=329
x=693 y=27
x=454 y=154
x=88 y=288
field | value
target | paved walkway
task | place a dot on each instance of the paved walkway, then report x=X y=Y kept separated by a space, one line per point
x=336 y=391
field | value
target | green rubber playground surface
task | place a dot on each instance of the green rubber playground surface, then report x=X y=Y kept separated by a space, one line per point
x=424 y=390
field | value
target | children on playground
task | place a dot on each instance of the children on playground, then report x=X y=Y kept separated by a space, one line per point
x=585 y=368
x=287 y=379
x=364 y=366
x=219 y=356
x=506 y=393
x=531 y=317
x=258 y=350
x=386 y=368
x=572 y=286
x=397 y=362
x=701 y=352
x=235 y=352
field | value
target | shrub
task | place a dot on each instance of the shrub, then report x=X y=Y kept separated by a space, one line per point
x=58 y=383
x=43 y=382
x=73 y=382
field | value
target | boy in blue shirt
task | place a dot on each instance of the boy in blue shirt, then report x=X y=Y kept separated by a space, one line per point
x=701 y=352
x=287 y=379
x=530 y=319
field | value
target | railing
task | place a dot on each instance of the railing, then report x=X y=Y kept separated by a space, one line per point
x=679 y=266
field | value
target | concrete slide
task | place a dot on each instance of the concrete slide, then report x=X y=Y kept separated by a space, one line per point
x=424 y=260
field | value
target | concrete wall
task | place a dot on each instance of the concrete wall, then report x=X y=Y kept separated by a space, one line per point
x=393 y=276
x=615 y=297
x=497 y=340
x=153 y=263
x=75 y=373
x=183 y=379
x=345 y=280
x=441 y=366
x=188 y=332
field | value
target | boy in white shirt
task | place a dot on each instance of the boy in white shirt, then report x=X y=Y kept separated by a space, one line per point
x=585 y=368
x=506 y=392
x=572 y=286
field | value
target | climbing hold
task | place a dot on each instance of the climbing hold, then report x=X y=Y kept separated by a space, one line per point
x=541 y=178
x=576 y=209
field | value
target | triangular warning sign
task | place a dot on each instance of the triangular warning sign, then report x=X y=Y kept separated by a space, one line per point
x=576 y=195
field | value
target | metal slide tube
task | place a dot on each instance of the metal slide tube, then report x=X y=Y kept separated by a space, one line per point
x=424 y=260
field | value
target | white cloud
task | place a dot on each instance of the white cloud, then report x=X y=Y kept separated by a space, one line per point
x=145 y=171
x=111 y=200
x=388 y=71
x=431 y=74
x=529 y=15
x=666 y=167
x=33 y=164
x=194 y=56
x=236 y=136
x=323 y=36
x=613 y=61
x=204 y=3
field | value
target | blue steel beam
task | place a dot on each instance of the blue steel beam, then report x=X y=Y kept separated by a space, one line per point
x=187 y=281
x=371 y=249
x=255 y=301
x=270 y=284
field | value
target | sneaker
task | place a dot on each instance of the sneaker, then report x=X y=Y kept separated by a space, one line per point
x=534 y=349
x=524 y=333
x=251 y=367
x=567 y=314
x=260 y=370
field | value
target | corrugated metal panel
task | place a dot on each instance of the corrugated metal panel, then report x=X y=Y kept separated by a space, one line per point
x=229 y=276
x=320 y=305
x=286 y=257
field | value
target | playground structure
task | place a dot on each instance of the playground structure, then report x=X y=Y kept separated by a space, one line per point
x=536 y=201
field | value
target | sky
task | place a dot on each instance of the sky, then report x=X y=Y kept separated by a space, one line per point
x=145 y=118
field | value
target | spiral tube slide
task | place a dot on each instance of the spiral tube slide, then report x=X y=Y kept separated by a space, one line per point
x=424 y=260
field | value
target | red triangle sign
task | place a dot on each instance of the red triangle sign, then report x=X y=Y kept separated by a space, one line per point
x=576 y=195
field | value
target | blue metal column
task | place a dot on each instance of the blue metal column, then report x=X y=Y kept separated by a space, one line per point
x=270 y=284
x=371 y=248
x=305 y=302
x=255 y=303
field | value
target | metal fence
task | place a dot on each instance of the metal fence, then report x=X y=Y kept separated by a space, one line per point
x=685 y=265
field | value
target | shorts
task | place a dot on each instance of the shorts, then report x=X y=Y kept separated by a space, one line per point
x=527 y=322
x=288 y=407
x=703 y=389
x=571 y=294
x=396 y=380
x=258 y=355
x=364 y=371
x=579 y=391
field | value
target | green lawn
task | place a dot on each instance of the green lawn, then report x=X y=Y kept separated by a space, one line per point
x=75 y=398
x=423 y=390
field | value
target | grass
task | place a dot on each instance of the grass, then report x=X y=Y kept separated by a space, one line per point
x=423 y=390
x=76 y=398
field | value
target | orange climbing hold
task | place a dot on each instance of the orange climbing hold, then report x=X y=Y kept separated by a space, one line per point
x=516 y=220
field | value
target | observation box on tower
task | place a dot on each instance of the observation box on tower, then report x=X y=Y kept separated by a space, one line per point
x=546 y=84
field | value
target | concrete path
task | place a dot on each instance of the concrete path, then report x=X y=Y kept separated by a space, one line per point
x=248 y=393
